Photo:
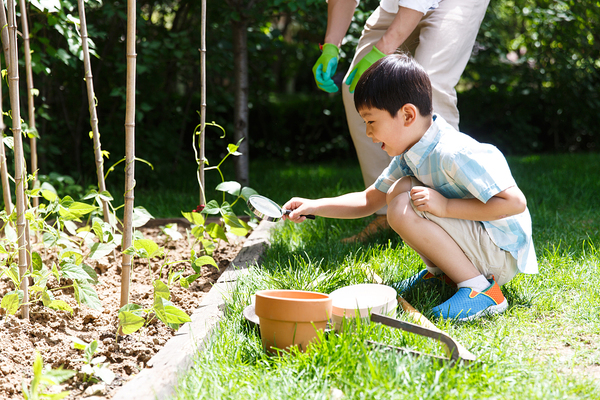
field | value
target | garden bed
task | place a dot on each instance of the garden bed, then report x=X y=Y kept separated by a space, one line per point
x=51 y=332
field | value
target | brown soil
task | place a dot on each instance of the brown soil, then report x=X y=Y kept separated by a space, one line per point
x=50 y=332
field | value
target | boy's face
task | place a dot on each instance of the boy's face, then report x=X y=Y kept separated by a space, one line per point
x=390 y=131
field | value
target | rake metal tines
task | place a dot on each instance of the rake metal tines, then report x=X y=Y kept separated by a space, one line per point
x=455 y=351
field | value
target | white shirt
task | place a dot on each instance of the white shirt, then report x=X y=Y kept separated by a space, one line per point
x=423 y=6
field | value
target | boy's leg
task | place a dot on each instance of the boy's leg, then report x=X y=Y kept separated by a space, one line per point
x=428 y=239
x=476 y=296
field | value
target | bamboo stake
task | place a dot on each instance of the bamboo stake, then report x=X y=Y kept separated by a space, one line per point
x=20 y=174
x=202 y=139
x=8 y=206
x=129 y=151
x=89 y=81
x=30 y=105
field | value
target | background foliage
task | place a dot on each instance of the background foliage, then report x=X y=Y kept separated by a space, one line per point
x=532 y=84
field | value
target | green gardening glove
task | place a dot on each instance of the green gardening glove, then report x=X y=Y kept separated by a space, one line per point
x=362 y=66
x=325 y=67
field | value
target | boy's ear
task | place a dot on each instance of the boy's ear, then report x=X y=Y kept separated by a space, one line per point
x=408 y=113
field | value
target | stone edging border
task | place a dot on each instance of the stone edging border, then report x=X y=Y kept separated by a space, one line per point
x=159 y=379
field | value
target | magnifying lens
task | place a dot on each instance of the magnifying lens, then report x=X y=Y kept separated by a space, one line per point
x=267 y=209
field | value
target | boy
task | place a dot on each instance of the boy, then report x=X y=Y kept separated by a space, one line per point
x=450 y=198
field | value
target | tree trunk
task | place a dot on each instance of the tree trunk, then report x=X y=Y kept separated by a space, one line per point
x=240 y=60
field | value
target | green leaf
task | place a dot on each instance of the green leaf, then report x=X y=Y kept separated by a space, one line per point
x=57 y=376
x=91 y=273
x=79 y=209
x=230 y=187
x=99 y=250
x=55 y=271
x=48 y=192
x=171 y=231
x=133 y=308
x=140 y=217
x=11 y=233
x=47 y=297
x=216 y=232
x=232 y=148
x=198 y=231
x=97 y=228
x=204 y=260
x=76 y=255
x=51 y=6
x=208 y=246
x=149 y=247
x=159 y=308
x=176 y=316
x=168 y=313
x=73 y=271
x=247 y=192
x=188 y=280
x=78 y=344
x=13 y=274
x=129 y=322
x=184 y=283
x=212 y=207
x=85 y=293
x=36 y=261
x=59 y=305
x=90 y=349
x=10 y=302
x=233 y=221
x=161 y=290
x=195 y=218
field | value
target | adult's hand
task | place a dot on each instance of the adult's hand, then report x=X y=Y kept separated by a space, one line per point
x=325 y=68
x=368 y=60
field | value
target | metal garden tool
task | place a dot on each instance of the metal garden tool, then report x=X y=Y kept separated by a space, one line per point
x=423 y=327
x=453 y=349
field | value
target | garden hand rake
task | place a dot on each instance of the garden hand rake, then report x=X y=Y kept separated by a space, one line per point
x=454 y=350
x=423 y=327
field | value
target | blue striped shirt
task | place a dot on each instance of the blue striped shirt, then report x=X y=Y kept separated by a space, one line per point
x=459 y=167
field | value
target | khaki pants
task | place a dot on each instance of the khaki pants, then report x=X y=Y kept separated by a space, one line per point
x=476 y=243
x=442 y=43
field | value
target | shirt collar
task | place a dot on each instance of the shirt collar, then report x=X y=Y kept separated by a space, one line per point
x=419 y=152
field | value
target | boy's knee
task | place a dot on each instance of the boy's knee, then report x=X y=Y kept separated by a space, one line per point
x=400 y=212
x=402 y=185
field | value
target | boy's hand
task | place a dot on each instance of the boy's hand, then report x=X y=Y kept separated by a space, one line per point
x=300 y=209
x=427 y=199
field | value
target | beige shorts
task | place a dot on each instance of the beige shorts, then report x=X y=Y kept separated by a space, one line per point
x=477 y=245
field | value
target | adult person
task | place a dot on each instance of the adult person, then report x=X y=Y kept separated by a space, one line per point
x=439 y=34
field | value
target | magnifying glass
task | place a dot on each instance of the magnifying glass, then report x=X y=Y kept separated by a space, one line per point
x=267 y=209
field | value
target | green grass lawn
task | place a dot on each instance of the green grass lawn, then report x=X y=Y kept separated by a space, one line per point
x=545 y=346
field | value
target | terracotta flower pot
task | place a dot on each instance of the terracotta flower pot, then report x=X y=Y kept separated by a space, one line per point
x=291 y=317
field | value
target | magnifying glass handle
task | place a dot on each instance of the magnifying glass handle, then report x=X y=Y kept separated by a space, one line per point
x=310 y=216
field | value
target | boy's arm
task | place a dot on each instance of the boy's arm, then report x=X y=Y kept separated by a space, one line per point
x=506 y=203
x=347 y=206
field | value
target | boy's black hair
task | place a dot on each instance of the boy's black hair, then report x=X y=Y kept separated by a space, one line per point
x=392 y=82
